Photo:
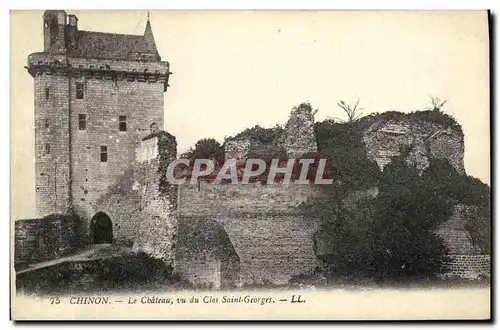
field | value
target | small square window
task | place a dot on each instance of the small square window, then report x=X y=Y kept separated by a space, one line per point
x=82 y=122
x=47 y=93
x=79 y=91
x=104 y=154
x=47 y=148
x=122 y=123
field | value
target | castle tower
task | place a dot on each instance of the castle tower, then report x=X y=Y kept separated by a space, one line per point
x=96 y=96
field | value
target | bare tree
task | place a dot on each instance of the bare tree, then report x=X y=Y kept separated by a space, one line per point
x=353 y=112
x=436 y=103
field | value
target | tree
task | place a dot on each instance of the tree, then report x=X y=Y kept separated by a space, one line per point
x=409 y=208
x=353 y=112
x=436 y=103
x=206 y=149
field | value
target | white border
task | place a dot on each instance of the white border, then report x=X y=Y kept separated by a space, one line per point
x=182 y=4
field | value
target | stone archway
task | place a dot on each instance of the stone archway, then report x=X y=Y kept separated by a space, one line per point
x=101 y=229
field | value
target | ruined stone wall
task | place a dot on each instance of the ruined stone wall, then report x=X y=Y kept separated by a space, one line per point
x=157 y=229
x=466 y=258
x=468 y=266
x=237 y=149
x=272 y=239
x=205 y=256
x=255 y=198
x=385 y=139
x=141 y=205
x=299 y=132
x=454 y=234
x=42 y=239
x=448 y=144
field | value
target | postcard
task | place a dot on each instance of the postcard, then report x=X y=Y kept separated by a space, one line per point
x=250 y=165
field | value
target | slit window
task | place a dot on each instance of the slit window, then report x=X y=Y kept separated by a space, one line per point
x=82 y=122
x=79 y=90
x=46 y=122
x=47 y=93
x=47 y=148
x=104 y=154
x=122 y=123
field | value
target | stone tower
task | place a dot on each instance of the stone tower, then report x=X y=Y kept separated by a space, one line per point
x=96 y=96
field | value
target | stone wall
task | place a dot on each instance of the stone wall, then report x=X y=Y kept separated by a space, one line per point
x=299 y=132
x=385 y=139
x=43 y=238
x=468 y=266
x=255 y=198
x=157 y=232
x=122 y=202
x=454 y=234
x=52 y=147
x=141 y=205
x=237 y=149
x=103 y=103
x=263 y=222
x=205 y=256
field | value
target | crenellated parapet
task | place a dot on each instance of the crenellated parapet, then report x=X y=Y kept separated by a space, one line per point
x=116 y=70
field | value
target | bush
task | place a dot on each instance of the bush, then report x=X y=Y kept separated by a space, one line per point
x=261 y=135
x=343 y=146
x=206 y=149
x=396 y=240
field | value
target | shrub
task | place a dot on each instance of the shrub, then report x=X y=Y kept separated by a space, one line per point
x=261 y=135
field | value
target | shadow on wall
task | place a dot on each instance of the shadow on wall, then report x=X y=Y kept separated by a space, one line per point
x=122 y=203
x=205 y=256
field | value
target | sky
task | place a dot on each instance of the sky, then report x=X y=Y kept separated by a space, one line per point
x=233 y=70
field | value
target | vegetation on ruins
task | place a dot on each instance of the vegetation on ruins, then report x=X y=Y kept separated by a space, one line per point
x=261 y=135
x=342 y=145
x=437 y=104
x=390 y=236
x=353 y=112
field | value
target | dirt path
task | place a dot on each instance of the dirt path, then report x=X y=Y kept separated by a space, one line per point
x=94 y=252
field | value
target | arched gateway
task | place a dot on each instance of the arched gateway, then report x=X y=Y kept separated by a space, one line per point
x=101 y=228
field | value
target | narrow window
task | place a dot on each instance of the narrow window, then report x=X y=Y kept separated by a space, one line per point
x=104 y=154
x=47 y=93
x=123 y=123
x=153 y=128
x=47 y=148
x=46 y=122
x=79 y=90
x=82 y=122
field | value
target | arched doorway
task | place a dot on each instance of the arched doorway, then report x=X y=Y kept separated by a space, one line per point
x=101 y=228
